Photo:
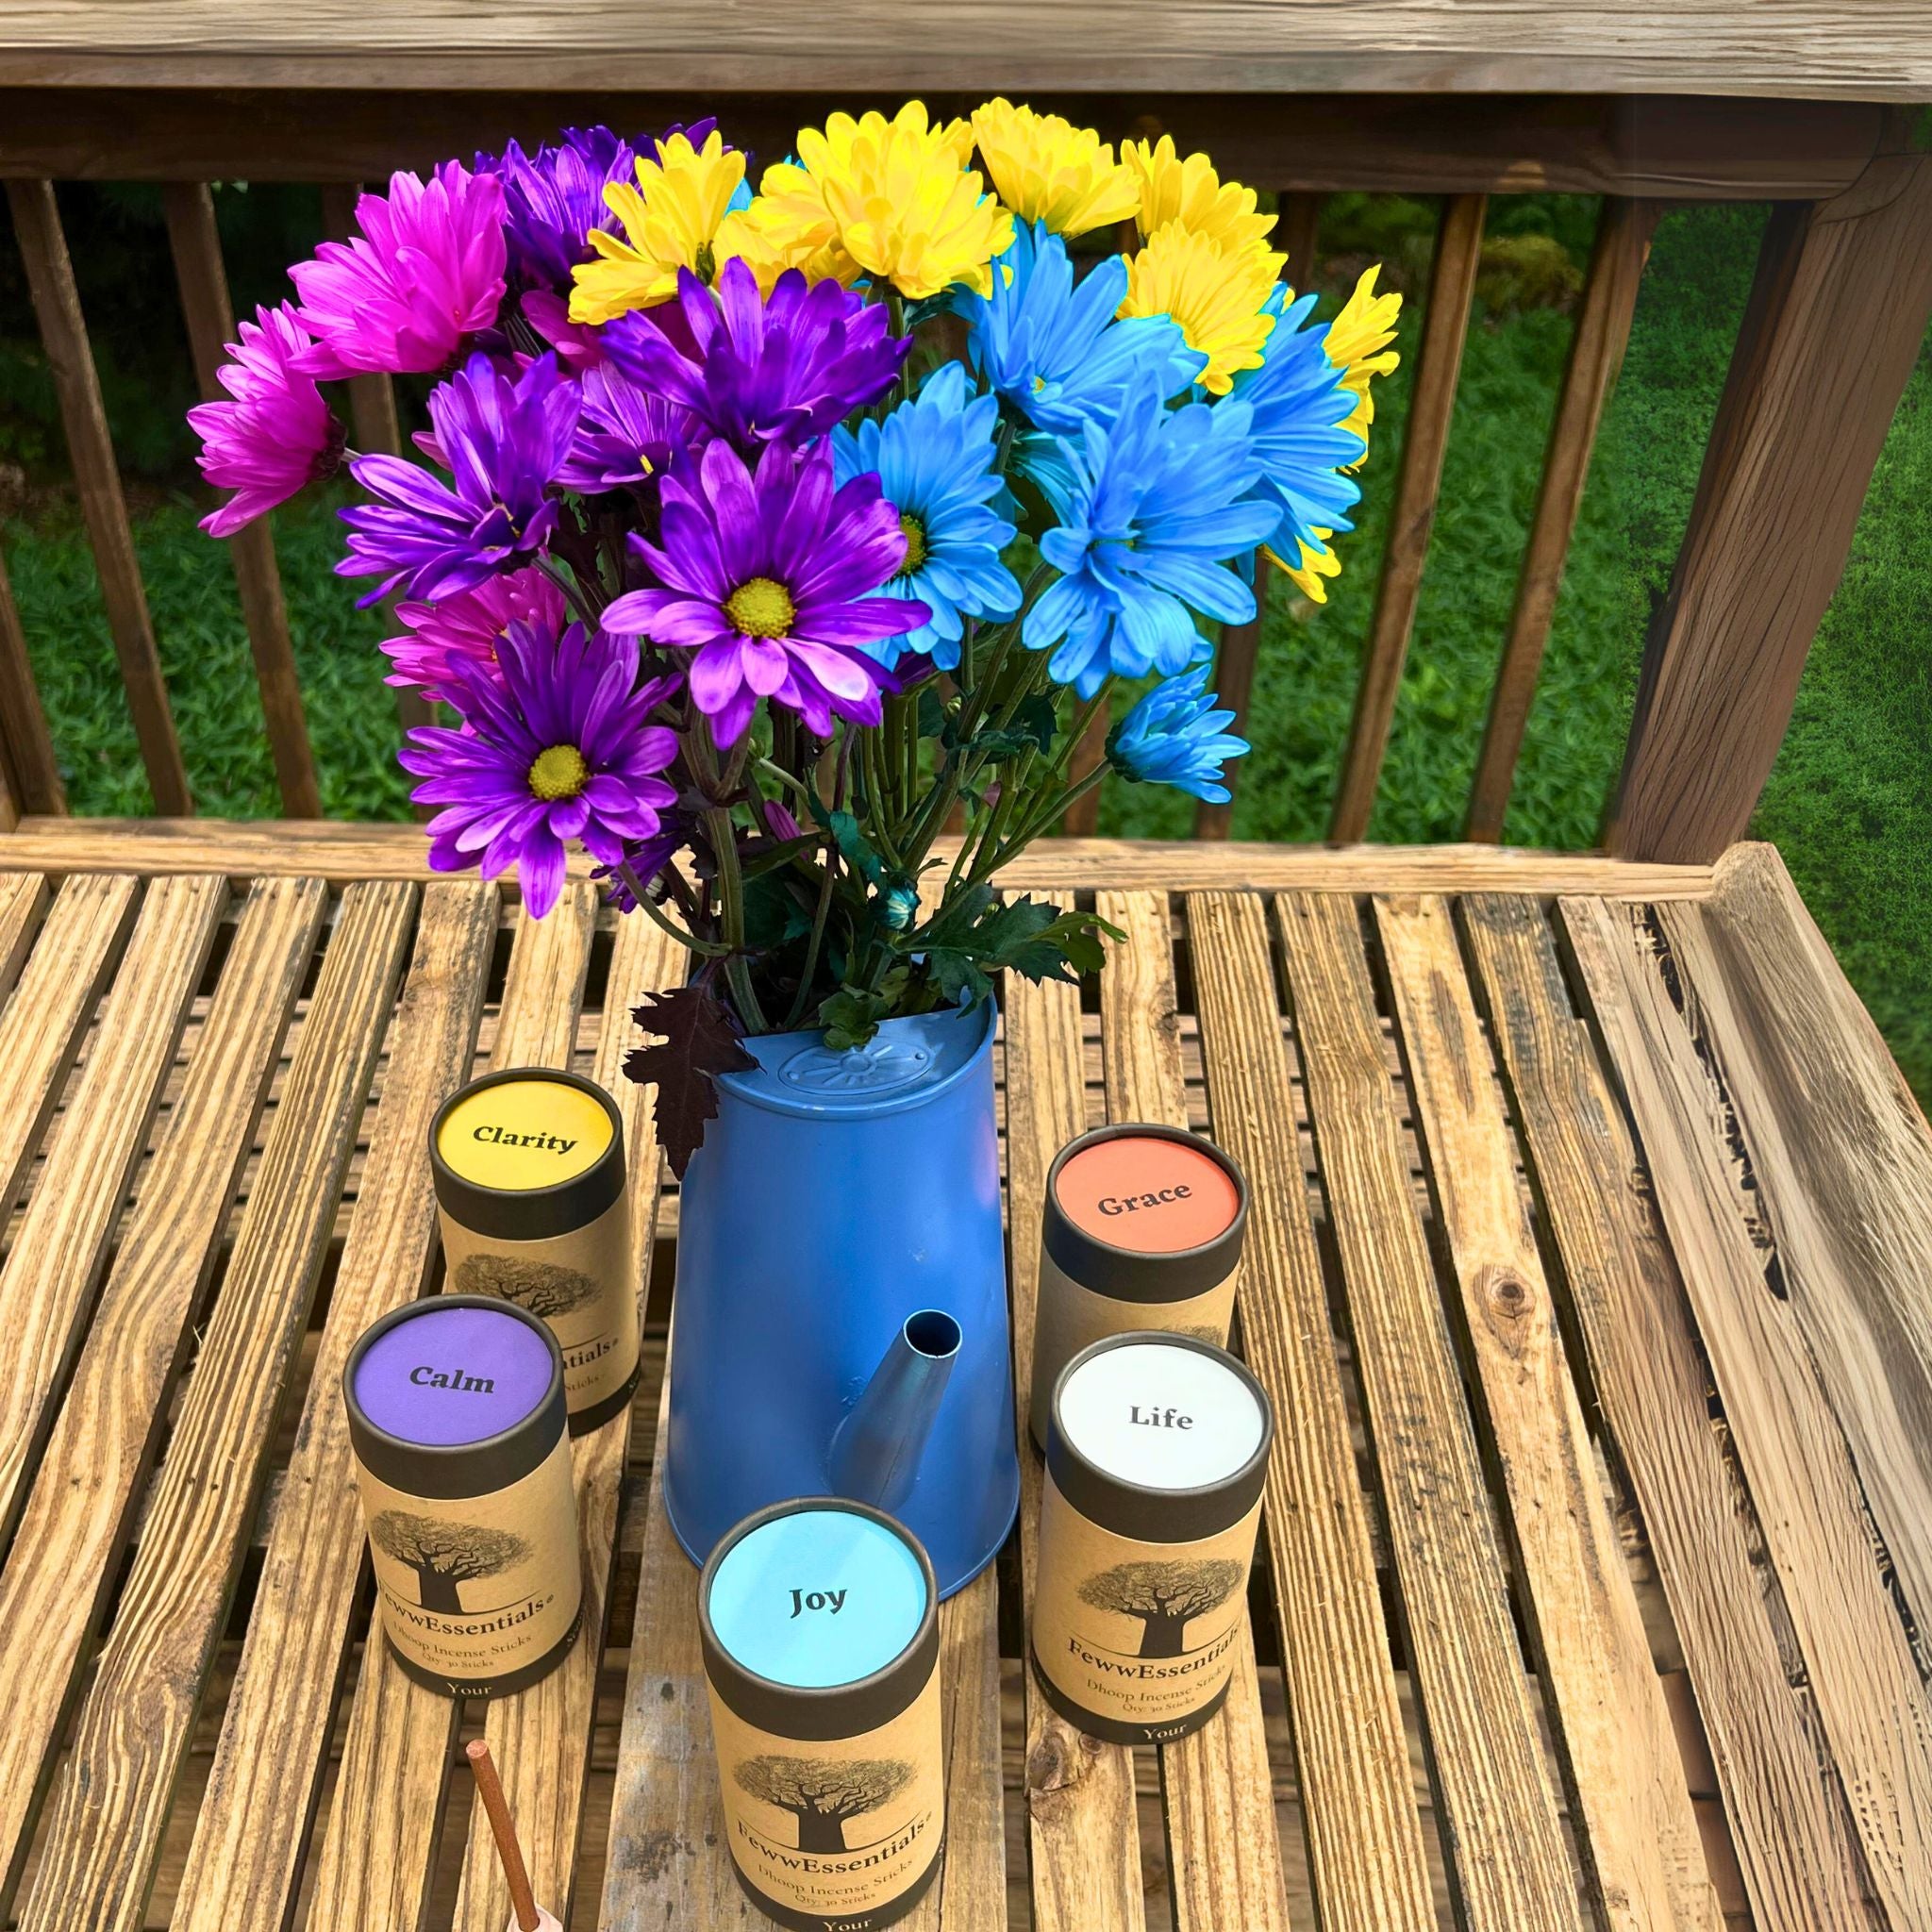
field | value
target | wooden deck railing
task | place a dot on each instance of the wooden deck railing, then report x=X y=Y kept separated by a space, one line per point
x=1837 y=312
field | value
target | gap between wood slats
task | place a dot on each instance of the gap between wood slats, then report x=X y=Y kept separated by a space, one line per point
x=1419 y=479
x=63 y=336
x=1596 y=353
x=196 y=245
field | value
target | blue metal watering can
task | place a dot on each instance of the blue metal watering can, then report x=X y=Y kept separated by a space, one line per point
x=840 y=1324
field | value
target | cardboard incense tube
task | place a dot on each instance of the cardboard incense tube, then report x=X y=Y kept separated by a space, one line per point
x=1155 y=1458
x=530 y=1181
x=820 y=1625
x=457 y=1423
x=1143 y=1228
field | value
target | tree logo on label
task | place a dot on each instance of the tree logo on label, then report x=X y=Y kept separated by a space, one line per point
x=823 y=1796
x=541 y=1287
x=445 y=1554
x=1165 y=1597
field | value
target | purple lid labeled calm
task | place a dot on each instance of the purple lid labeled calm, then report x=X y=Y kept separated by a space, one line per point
x=455 y=1396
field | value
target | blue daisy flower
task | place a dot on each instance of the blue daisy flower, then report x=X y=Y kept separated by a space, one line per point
x=1176 y=736
x=1054 y=350
x=1299 y=403
x=1160 y=499
x=934 y=457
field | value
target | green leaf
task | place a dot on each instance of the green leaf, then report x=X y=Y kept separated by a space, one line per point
x=932 y=712
x=852 y=1015
x=858 y=850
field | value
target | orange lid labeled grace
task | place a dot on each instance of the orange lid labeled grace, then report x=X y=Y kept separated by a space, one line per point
x=1144 y=1212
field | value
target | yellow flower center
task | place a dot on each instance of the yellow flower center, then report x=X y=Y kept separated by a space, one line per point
x=761 y=608
x=915 y=544
x=559 y=771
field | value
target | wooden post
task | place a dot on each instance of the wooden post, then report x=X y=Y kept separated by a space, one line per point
x=1596 y=352
x=1432 y=402
x=1234 y=684
x=198 y=249
x=63 y=335
x=1082 y=817
x=1836 y=318
x=27 y=751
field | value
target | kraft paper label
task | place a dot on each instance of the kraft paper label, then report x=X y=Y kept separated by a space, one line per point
x=1070 y=1317
x=836 y=1830
x=1138 y=1633
x=519 y=1134
x=474 y=1588
x=581 y=1284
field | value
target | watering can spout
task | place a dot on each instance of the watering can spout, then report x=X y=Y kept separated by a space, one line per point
x=875 y=1454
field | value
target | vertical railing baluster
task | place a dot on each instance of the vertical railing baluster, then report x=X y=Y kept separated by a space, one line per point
x=205 y=302
x=1596 y=353
x=372 y=409
x=1431 y=404
x=26 y=748
x=63 y=335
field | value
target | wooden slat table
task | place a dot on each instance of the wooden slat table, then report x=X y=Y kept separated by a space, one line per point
x=1591 y=1271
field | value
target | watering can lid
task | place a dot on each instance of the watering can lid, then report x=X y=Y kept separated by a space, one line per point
x=906 y=1063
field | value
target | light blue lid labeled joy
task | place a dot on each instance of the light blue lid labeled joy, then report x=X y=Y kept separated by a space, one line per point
x=819 y=1619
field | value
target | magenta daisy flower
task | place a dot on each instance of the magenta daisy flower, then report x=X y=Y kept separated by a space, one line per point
x=427 y=270
x=560 y=750
x=758 y=370
x=505 y=444
x=623 y=434
x=276 y=434
x=467 y=631
x=765 y=580
x=578 y=344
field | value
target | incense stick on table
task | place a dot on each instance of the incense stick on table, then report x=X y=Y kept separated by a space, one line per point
x=496 y=1806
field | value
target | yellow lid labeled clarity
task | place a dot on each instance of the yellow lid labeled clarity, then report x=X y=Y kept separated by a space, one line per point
x=516 y=1135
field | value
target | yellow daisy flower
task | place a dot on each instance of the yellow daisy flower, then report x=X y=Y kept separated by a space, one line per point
x=1215 y=293
x=877 y=197
x=1358 y=341
x=1318 y=560
x=671 y=218
x=1191 y=192
x=1047 y=170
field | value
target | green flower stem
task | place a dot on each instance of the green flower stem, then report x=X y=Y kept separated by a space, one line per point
x=779 y=776
x=815 y=943
x=731 y=905
x=1038 y=823
x=704 y=948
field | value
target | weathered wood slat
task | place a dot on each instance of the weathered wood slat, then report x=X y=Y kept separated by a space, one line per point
x=102 y=1443
x=1417 y=482
x=246 y=1861
x=1797 y=432
x=1787 y=1817
x=63 y=336
x=1364 y=1838
x=1234 y=684
x=541 y=1738
x=42 y=1025
x=378 y=1851
x=1631 y=1804
x=46 y=1287
x=110 y=1798
x=1223 y=1857
x=1843 y=1163
x=1502 y=1827
x=204 y=283
x=1596 y=353
x=28 y=763
x=23 y=900
x=341 y=852
x=1079 y=1790
x=1871 y=1701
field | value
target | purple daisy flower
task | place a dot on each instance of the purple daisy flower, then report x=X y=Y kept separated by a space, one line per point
x=755 y=370
x=553 y=198
x=765 y=580
x=276 y=434
x=623 y=435
x=560 y=750
x=505 y=444
x=468 y=629
x=426 y=271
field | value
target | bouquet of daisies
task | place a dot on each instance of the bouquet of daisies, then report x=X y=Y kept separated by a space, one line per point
x=778 y=547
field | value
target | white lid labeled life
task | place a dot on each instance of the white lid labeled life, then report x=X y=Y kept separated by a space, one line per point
x=1162 y=1429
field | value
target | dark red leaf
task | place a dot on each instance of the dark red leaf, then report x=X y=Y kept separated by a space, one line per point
x=698 y=1043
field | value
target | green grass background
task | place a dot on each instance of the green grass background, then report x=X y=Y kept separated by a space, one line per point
x=1849 y=803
